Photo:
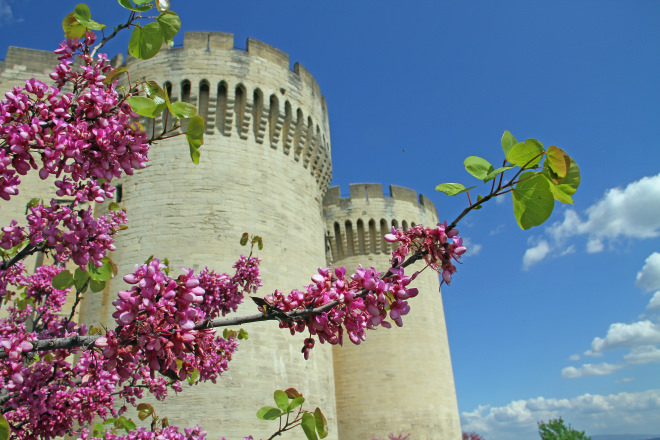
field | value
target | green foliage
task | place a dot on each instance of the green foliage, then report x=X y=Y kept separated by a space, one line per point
x=145 y=41
x=62 y=280
x=453 y=189
x=195 y=137
x=543 y=176
x=555 y=429
x=117 y=424
x=313 y=424
x=240 y=334
x=4 y=428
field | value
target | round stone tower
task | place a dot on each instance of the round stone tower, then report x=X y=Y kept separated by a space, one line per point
x=264 y=169
x=399 y=379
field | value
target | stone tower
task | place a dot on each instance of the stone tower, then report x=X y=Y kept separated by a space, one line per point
x=407 y=370
x=265 y=169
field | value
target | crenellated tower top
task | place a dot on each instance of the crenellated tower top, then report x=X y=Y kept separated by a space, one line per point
x=252 y=95
x=356 y=225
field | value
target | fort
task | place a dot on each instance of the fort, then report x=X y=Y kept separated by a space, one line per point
x=266 y=168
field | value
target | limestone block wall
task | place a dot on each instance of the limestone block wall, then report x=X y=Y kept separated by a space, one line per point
x=399 y=379
x=264 y=169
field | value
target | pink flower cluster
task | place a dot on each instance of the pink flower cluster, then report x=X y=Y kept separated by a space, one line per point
x=88 y=134
x=69 y=233
x=158 y=320
x=168 y=433
x=368 y=297
x=364 y=300
x=439 y=252
x=222 y=293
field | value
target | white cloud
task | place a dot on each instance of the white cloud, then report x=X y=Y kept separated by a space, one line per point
x=649 y=277
x=472 y=248
x=595 y=414
x=645 y=354
x=654 y=304
x=631 y=212
x=6 y=13
x=621 y=335
x=625 y=380
x=585 y=370
x=535 y=254
x=574 y=357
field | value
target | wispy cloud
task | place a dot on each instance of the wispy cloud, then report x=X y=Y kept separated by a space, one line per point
x=631 y=212
x=535 y=254
x=640 y=338
x=649 y=277
x=586 y=370
x=596 y=414
x=7 y=13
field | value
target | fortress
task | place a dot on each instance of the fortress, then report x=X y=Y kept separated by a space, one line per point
x=265 y=169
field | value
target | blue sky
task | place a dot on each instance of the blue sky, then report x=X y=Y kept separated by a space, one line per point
x=562 y=320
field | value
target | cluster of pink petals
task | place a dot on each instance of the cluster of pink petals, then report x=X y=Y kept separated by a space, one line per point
x=440 y=247
x=88 y=134
x=368 y=297
x=158 y=320
x=68 y=233
x=168 y=433
x=365 y=300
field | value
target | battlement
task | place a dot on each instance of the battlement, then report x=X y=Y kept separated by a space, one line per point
x=366 y=191
x=356 y=225
x=252 y=96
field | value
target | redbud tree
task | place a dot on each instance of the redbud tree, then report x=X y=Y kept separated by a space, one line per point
x=81 y=130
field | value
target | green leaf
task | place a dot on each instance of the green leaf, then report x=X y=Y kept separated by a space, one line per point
x=170 y=24
x=96 y=285
x=292 y=393
x=452 y=189
x=183 y=110
x=242 y=334
x=195 y=137
x=309 y=426
x=281 y=400
x=126 y=423
x=34 y=202
x=558 y=161
x=63 y=280
x=156 y=93
x=145 y=41
x=144 y=410
x=72 y=27
x=128 y=5
x=244 y=238
x=526 y=154
x=571 y=182
x=479 y=199
x=508 y=141
x=478 y=167
x=533 y=201
x=321 y=423
x=268 y=413
x=112 y=76
x=4 y=428
x=295 y=403
x=103 y=273
x=139 y=2
x=193 y=377
x=84 y=17
x=260 y=243
x=80 y=277
x=497 y=172
x=82 y=13
x=560 y=195
x=144 y=106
